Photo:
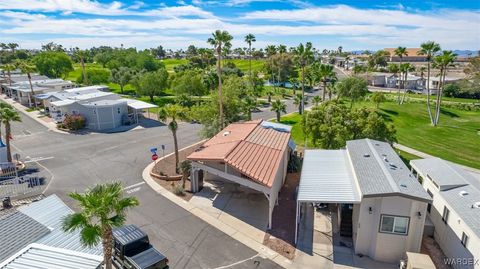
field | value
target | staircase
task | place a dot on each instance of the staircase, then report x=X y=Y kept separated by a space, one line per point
x=346 y=222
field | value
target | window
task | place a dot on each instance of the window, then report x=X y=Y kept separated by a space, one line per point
x=445 y=214
x=429 y=208
x=118 y=110
x=394 y=224
x=464 y=239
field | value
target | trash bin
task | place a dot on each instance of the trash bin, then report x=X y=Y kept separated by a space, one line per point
x=6 y=202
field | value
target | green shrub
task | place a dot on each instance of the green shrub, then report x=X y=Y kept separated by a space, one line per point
x=178 y=190
x=73 y=122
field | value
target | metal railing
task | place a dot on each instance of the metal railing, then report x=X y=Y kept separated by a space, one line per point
x=13 y=184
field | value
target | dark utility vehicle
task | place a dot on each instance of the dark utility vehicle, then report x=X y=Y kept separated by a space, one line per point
x=132 y=250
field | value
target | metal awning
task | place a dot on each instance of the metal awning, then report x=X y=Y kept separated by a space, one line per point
x=137 y=104
x=327 y=177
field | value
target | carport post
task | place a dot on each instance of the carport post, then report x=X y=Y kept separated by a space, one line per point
x=296 y=222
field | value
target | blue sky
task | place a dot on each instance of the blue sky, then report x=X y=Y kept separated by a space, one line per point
x=176 y=24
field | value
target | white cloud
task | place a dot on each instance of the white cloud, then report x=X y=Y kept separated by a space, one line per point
x=179 y=25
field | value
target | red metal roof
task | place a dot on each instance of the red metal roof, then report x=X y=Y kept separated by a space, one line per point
x=252 y=149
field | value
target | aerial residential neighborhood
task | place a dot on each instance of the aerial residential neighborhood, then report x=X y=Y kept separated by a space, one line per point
x=239 y=134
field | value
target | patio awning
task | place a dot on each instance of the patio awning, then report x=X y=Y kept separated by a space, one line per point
x=137 y=104
x=327 y=177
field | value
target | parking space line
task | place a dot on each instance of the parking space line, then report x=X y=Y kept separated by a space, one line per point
x=134 y=185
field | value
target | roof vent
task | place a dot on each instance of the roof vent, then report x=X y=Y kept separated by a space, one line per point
x=403 y=185
x=366 y=155
x=463 y=193
x=385 y=159
x=476 y=205
x=393 y=166
x=226 y=133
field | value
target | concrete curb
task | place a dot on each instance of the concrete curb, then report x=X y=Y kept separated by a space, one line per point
x=263 y=250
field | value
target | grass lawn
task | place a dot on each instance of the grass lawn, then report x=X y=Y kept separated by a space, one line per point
x=171 y=63
x=457 y=138
x=242 y=64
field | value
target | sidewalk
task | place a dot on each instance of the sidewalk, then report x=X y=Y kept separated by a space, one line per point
x=35 y=115
x=425 y=155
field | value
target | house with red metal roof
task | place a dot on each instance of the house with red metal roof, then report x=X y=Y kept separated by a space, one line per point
x=254 y=154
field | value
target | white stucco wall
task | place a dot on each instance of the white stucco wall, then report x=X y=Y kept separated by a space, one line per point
x=384 y=246
x=449 y=236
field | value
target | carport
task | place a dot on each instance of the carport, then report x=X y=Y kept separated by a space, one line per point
x=137 y=107
x=327 y=177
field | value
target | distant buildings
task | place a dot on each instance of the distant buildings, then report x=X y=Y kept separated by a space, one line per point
x=412 y=55
x=101 y=108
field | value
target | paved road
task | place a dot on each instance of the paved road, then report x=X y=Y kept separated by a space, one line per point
x=80 y=161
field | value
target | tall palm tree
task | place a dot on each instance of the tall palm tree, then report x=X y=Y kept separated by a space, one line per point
x=249 y=39
x=400 y=52
x=218 y=40
x=28 y=69
x=324 y=73
x=278 y=107
x=81 y=55
x=102 y=208
x=405 y=68
x=174 y=113
x=316 y=100
x=2 y=107
x=442 y=61
x=8 y=115
x=429 y=49
x=303 y=57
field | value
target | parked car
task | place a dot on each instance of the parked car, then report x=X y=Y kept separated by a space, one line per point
x=132 y=250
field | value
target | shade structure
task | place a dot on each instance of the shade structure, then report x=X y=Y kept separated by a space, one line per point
x=327 y=177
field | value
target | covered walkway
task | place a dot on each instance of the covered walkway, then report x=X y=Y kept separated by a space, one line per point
x=137 y=107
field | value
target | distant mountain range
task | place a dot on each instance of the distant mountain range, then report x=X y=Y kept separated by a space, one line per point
x=460 y=53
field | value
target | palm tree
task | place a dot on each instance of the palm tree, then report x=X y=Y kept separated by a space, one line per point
x=220 y=38
x=400 y=52
x=9 y=68
x=347 y=59
x=7 y=116
x=303 y=56
x=173 y=112
x=2 y=107
x=316 y=100
x=279 y=107
x=102 y=208
x=81 y=55
x=405 y=68
x=250 y=38
x=13 y=47
x=270 y=50
x=442 y=61
x=185 y=168
x=249 y=104
x=282 y=49
x=269 y=95
x=324 y=73
x=28 y=69
x=429 y=49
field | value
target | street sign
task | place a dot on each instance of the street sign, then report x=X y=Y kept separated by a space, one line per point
x=153 y=150
x=16 y=156
x=163 y=147
x=154 y=157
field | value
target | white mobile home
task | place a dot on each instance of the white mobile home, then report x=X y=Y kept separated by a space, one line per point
x=455 y=210
x=381 y=205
